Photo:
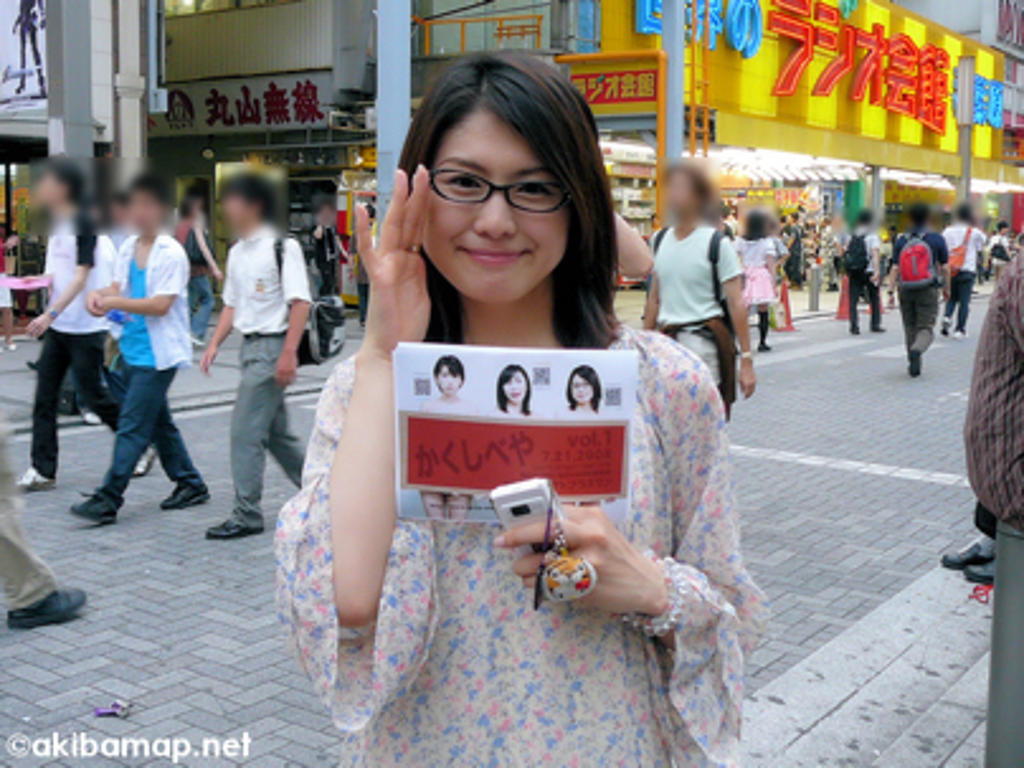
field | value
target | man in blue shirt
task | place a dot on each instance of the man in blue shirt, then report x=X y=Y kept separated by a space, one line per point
x=149 y=289
x=919 y=304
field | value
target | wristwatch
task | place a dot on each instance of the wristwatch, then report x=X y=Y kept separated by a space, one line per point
x=53 y=314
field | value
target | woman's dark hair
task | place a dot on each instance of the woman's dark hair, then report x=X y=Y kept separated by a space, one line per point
x=68 y=175
x=543 y=107
x=589 y=375
x=866 y=217
x=757 y=225
x=964 y=213
x=253 y=189
x=152 y=185
x=503 y=378
x=919 y=214
x=189 y=203
x=452 y=363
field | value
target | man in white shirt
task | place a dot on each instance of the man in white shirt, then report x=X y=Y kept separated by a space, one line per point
x=266 y=299
x=150 y=289
x=862 y=267
x=965 y=243
x=77 y=261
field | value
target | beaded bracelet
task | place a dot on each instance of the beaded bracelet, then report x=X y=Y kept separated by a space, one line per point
x=667 y=621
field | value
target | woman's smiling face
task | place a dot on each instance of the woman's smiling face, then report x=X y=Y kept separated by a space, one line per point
x=491 y=252
x=582 y=392
x=515 y=388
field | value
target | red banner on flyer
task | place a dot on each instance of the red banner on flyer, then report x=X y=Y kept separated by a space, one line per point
x=470 y=455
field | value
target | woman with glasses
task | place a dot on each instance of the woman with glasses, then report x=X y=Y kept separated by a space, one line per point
x=420 y=637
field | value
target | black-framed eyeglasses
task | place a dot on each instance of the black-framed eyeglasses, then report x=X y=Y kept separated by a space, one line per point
x=465 y=187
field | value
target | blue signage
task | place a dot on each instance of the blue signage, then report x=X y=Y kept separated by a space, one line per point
x=988 y=100
x=742 y=23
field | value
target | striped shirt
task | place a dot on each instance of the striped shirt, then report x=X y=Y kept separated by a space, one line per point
x=994 y=431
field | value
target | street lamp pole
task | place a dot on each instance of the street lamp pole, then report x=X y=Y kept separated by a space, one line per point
x=394 y=58
x=673 y=38
x=965 y=121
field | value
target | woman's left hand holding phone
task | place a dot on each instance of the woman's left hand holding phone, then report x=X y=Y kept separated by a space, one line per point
x=627 y=580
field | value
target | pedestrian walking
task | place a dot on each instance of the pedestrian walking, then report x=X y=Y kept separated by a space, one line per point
x=362 y=276
x=77 y=261
x=862 y=267
x=793 y=237
x=120 y=220
x=150 y=287
x=696 y=295
x=31 y=591
x=920 y=270
x=964 y=241
x=757 y=252
x=998 y=250
x=406 y=628
x=327 y=250
x=266 y=299
x=6 y=304
x=193 y=234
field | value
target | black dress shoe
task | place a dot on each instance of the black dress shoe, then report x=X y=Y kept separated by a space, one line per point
x=232 y=529
x=981 y=574
x=978 y=553
x=915 y=363
x=879 y=329
x=186 y=496
x=58 y=606
x=855 y=331
x=97 y=509
x=762 y=347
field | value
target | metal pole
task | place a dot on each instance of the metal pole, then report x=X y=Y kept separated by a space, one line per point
x=877 y=195
x=813 y=302
x=1004 y=740
x=965 y=120
x=394 y=46
x=69 y=66
x=673 y=37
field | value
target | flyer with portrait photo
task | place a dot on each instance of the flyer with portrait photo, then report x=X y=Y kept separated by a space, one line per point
x=469 y=419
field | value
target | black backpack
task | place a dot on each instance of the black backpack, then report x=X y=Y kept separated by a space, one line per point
x=325 y=328
x=856 y=258
x=713 y=251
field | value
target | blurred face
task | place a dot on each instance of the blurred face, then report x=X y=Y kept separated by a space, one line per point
x=582 y=392
x=48 y=191
x=119 y=215
x=680 y=195
x=326 y=216
x=515 y=389
x=448 y=383
x=491 y=252
x=241 y=215
x=147 y=213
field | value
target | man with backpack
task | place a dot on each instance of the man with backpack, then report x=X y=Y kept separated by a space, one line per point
x=920 y=266
x=965 y=243
x=266 y=299
x=862 y=268
x=998 y=249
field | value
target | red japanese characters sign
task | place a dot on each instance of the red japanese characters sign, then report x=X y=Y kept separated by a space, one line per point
x=618 y=87
x=251 y=104
x=469 y=455
x=892 y=72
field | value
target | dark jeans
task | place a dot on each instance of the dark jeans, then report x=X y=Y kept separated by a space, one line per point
x=83 y=353
x=919 y=307
x=984 y=520
x=145 y=419
x=200 y=304
x=862 y=281
x=960 y=294
x=364 y=301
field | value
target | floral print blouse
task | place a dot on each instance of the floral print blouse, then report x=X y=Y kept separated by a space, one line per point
x=458 y=669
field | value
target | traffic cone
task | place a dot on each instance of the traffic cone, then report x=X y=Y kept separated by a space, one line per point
x=843 y=313
x=787 y=321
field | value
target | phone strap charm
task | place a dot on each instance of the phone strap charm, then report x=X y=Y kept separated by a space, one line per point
x=562 y=576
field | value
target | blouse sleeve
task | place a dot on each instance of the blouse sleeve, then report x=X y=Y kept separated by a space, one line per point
x=725 y=610
x=354 y=672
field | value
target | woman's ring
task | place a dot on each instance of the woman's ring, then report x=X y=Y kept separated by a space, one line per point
x=569 y=577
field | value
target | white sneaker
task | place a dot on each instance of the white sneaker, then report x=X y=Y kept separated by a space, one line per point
x=11 y=347
x=90 y=418
x=33 y=481
x=197 y=343
x=959 y=335
x=145 y=462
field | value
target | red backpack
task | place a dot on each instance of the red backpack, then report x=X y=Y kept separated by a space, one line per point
x=917 y=263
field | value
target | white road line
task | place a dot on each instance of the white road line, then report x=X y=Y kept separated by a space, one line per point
x=192 y=413
x=848 y=465
x=786 y=353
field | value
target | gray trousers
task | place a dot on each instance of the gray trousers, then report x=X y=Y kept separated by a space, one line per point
x=259 y=423
x=919 y=308
x=25 y=577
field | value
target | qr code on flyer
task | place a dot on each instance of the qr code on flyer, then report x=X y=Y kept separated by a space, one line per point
x=421 y=387
x=614 y=396
x=542 y=377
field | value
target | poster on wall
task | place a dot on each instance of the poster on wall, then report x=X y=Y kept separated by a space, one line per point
x=22 y=54
x=469 y=419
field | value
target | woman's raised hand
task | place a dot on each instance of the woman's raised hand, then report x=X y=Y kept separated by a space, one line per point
x=399 y=303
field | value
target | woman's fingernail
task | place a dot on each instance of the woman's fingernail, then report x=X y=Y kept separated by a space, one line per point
x=499 y=541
